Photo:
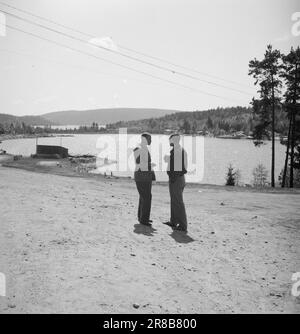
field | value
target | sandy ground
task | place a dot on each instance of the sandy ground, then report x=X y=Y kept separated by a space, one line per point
x=73 y=245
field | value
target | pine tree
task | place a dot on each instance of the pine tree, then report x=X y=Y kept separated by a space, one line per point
x=291 y=75
x=186 y=127
x=209 y=123
x=260 y=175
x=267 y=74
x=230 y=177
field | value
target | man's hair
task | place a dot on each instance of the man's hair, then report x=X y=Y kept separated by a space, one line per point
x=146 y=135
x=174 y=135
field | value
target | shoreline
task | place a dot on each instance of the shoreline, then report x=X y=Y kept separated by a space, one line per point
x=72 y=134
x=28 y=136
x=84 y=166
x=64 y=167
x=24 y=136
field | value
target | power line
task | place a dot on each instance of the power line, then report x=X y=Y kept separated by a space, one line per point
x=183 y=67
x=47 y=20
x=117 y=52
x=117 y=64
x=122 y=54
x=78 y=67
x=122 y=47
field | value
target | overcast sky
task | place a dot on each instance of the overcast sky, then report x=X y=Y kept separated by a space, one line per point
x=216 y=37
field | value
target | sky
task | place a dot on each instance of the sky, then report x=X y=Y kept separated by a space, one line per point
x=215 y=37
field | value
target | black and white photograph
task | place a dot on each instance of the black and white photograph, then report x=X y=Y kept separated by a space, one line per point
x=149 y=159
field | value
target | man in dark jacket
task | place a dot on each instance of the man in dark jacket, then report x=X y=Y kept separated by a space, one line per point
x=177 y=168
x=143 y=177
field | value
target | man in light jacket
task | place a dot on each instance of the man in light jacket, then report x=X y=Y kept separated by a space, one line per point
x=177 y=168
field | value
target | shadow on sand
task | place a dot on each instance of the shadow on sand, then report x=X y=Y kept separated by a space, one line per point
x=181 y=237
x=146 y=230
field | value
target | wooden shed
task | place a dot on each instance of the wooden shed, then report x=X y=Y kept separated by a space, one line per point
x=50 y=151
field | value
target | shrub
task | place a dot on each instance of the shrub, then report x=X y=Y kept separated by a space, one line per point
x=230 y=177
x=287 y=179
x=260 y=176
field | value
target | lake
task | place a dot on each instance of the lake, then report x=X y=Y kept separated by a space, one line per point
x=208 y=157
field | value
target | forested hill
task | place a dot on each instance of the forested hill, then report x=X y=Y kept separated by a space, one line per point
x=220 y=121
x=27 y=120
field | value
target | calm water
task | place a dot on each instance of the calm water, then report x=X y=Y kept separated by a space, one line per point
x=208 y=155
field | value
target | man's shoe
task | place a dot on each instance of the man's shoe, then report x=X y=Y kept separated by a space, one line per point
x=170 y=224
x=179 y=228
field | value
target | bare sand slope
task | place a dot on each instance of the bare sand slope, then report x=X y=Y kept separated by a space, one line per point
x=73 y=245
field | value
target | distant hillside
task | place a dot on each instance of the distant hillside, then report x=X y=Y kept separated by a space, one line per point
x=103 y=116
x=28 y=120
x=219 y=121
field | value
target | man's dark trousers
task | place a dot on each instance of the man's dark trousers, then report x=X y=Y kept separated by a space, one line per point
x=178 y=214
x=144 y=189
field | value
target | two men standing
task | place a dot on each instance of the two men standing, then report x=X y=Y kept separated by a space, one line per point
x=144 y=175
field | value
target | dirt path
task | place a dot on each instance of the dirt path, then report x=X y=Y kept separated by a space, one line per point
x=73 y=245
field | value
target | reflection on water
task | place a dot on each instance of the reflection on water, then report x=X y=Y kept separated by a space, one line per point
x=218 y=153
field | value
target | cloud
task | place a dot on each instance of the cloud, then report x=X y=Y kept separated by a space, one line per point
x=105 y=42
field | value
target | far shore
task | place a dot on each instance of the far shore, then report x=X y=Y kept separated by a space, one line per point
x=25 y=136
x=4 y=137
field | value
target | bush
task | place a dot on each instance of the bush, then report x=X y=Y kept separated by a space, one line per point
x=260 y=176
x=287 y=179
x=231 y=176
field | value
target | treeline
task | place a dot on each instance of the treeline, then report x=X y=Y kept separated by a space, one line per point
x=16 y=128
x=21 y=128
x=215 y=122
x=277 y=77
